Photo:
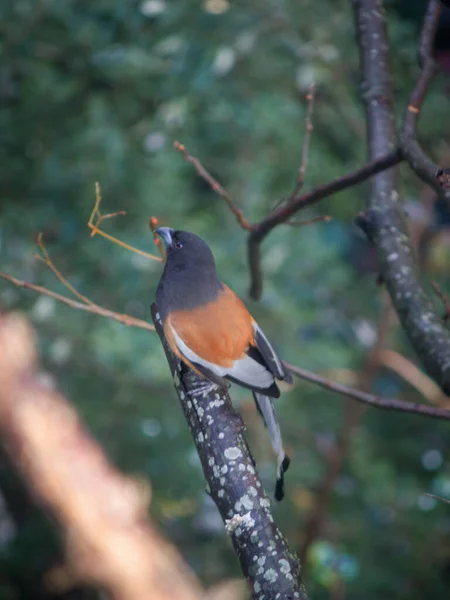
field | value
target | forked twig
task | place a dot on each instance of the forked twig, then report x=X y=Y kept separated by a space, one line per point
x=95 y=230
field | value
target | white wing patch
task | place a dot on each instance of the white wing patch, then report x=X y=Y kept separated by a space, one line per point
x=245 y=369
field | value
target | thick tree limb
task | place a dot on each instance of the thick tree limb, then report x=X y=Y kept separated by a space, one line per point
x=384 y=221
x=272 y=570
x=103 y=514
x=418 y=160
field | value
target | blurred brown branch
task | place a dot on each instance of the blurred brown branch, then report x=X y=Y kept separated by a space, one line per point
x=109 y=542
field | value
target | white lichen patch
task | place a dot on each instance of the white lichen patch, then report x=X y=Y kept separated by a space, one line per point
x=285 y=567
x=240 y=521
x=233 y=453
x=271 y=575
x=244 y=502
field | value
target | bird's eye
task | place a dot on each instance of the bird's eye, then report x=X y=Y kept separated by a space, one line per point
x=178 y=244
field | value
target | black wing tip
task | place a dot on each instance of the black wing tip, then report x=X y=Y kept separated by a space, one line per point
x=279 y=486
x=288 y=377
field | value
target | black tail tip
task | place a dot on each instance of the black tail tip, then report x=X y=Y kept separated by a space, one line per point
x=279 y=486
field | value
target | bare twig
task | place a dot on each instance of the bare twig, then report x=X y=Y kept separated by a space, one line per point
x=306 y=140
x=419 y=161
x=324 y=218
x=285 y=211
x=109 y=543
x=361 y=396
x=48 y=261
x=384 y=220
x=95 y=230
x=215 y=185
x=91 y=308
x=447 y=500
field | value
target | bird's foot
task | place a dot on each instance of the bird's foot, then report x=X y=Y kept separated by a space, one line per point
x=203 y=389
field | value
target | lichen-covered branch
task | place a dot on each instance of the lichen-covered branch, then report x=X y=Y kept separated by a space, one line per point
x=272 y=570
x=109 y=542
x=384 y=220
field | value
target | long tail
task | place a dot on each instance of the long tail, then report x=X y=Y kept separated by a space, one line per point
x=266 y=409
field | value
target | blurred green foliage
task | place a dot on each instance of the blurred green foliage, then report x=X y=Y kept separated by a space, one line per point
x=98 y=91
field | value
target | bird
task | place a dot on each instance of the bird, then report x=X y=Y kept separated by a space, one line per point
x=209 y=328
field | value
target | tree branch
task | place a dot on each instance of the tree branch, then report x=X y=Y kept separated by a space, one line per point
x=272 y=570
x=284 y=212
x=383 y=403
x=384 y=221
x=109 y=543
x=418 y=160
x=377 y=401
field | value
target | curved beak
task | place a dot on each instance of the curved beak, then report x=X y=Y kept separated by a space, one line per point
x=166 y=234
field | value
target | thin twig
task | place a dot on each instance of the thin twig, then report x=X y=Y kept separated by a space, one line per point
x=306 y=140
x=214 y=184
x=324 y=218
x=366 y=398
x=438 y=497
x=48 y=261
x=95 y=309
x=95 y=230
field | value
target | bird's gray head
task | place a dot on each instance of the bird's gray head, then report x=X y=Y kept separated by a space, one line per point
x=189 y=278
